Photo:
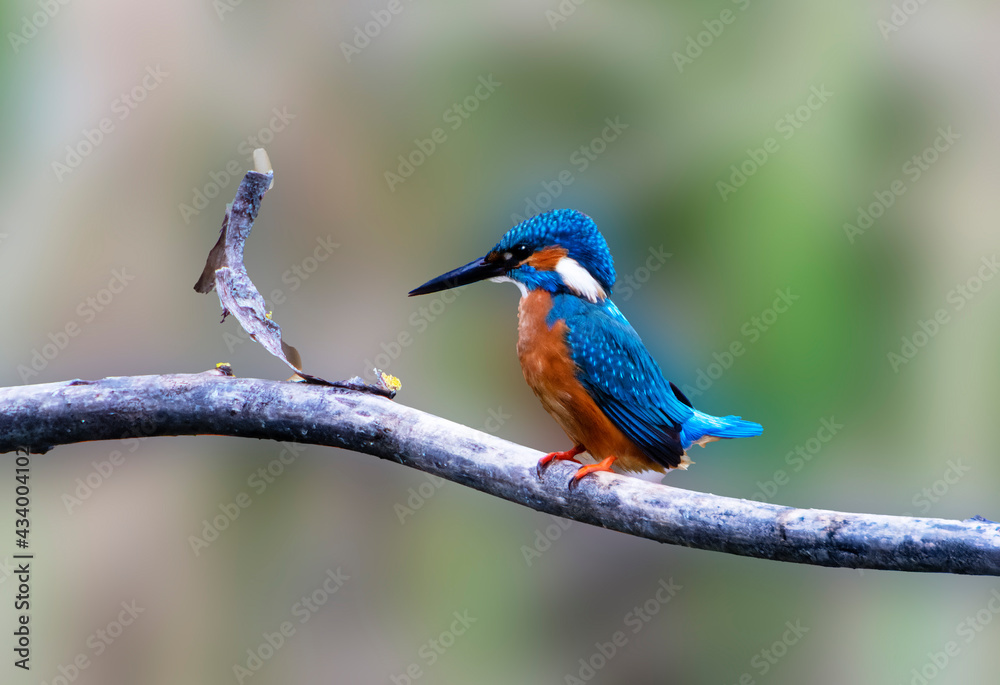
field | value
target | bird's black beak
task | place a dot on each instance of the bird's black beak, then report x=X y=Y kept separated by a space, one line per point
x=476 y=270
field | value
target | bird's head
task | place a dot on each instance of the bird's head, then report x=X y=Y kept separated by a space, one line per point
x=558 y=251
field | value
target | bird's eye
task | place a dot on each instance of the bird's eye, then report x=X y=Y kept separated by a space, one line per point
x=512 y=256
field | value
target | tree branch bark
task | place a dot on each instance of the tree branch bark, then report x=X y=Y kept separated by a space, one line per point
x=39 y=417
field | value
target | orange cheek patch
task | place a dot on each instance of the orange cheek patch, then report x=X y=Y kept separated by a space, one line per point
x=547 y=258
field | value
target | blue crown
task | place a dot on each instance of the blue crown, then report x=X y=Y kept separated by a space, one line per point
x=569 y=229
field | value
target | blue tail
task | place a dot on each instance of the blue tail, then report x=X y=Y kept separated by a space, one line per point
x=702 y=424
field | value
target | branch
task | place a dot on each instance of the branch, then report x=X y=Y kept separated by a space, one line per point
x=39 y=417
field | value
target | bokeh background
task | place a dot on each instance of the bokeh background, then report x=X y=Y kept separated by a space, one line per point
x=189 y=88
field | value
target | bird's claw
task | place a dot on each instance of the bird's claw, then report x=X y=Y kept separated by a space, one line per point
x=542 y=465
x=568 y=455
x=603 y=465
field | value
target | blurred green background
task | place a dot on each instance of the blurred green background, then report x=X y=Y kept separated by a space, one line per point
x=809 y=111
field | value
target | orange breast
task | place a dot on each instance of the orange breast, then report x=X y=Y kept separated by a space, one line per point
x=551 y=373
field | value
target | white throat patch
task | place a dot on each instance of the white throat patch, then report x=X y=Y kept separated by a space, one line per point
x=520 y=286
x=579 y=280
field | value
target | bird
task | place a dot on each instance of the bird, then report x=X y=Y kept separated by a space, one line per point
x=582 y=358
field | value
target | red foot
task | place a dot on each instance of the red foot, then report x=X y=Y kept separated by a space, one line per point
x=603 y=465
x=568 y=455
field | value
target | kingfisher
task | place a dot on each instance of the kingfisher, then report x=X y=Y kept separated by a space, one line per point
x=582 y=358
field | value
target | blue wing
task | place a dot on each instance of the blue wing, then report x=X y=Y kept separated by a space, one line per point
x=625 y=381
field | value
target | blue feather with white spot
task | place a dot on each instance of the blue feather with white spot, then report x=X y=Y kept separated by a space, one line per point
x=627 y=384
